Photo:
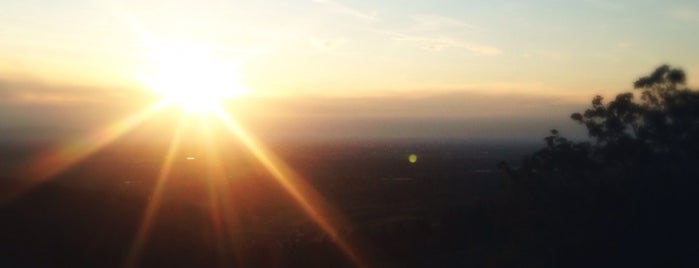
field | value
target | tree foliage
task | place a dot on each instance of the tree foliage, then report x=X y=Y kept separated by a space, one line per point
x=630 y=191
x=659 y=128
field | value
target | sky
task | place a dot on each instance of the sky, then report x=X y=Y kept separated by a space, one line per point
x=349 y=68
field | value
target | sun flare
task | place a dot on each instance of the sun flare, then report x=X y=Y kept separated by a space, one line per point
x=193 y=77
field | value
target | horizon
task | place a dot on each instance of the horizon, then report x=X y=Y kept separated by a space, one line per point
x=439 y=70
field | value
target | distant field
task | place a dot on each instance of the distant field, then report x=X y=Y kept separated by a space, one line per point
x=89 y=214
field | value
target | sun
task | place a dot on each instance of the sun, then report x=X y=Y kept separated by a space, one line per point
x=193 y=77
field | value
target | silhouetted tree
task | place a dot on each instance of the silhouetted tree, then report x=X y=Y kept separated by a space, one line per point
x=663 y=126
x=631 y=190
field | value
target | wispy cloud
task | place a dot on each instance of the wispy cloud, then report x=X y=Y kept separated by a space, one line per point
x=438 y=43
x=33 y=109
x=430 y=22
x=435 y=32
x=462 y=103
x=37 y=93
x=454 y=114
x=347 y=10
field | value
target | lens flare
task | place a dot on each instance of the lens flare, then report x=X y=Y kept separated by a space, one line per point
x=154 y=202
x=304 y=195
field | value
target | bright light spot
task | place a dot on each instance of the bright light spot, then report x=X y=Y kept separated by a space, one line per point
x=190 y=158
x=412 y=158
x=193 y=77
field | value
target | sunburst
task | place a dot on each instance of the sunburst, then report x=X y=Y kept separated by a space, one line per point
x=193 y=76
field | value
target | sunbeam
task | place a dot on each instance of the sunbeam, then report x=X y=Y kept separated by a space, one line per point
x=49 y=163
x=302 y=194
x=155 y=200
x=216 y=187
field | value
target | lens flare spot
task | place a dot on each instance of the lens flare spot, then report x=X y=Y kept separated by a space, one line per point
x=412 y=158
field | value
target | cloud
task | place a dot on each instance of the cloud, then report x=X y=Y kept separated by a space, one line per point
x=436 y=33
x=444 y=42
x=32 y=107
x=457 y=114
x=27 y=93
x=36 y=104
x=464 y=103
x=430 y=22
x=347 y=10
